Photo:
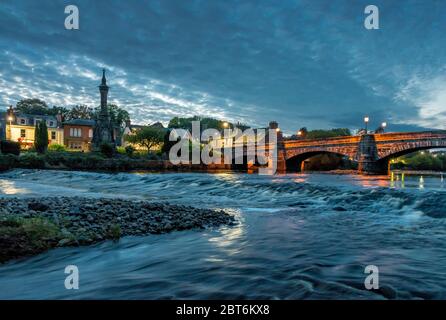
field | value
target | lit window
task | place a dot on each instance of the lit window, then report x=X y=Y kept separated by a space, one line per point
x=75 y=132
x=53 y=135
x=90 y=133
x=22 y=133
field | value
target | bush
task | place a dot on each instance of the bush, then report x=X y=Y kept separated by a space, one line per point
x=57 y=147
x=7 y=161
x=92 y=161
x=153 y=156
x=10 y=147
x=107 y=150
x=129 y=150
x=114 y=232
x=55 y=158
x=32 y=161
x=120 y=150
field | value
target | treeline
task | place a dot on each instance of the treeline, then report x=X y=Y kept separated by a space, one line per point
x=321 y=134
x=118 y=116
x=205 y=123
x=421 y=161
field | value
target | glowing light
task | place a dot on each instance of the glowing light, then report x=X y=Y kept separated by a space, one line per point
x=384 y=124
x=366 y=119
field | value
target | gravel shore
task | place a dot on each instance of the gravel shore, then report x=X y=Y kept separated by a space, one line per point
x=32 y=225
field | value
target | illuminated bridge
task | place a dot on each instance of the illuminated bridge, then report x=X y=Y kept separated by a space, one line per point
x=373 y=152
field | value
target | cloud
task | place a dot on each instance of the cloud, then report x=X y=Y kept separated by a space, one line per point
x=301 y=63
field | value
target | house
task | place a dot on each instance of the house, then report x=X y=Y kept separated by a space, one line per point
x=78 y=134
x=245 y=136
x=21 y=127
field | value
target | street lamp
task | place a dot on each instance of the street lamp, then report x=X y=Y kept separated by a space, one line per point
x=384 y=125
x=225 y=124
x=277 y=129
x=299 y=133
x=10 y=118
x=366 y=121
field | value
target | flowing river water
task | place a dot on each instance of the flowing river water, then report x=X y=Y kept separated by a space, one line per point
x=298 y=236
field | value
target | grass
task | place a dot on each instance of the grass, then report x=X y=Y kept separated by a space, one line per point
x=22 y=237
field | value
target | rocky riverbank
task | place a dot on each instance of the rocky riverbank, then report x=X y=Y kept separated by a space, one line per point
x=32 y=225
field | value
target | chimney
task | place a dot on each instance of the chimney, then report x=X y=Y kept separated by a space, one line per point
x=273 y=125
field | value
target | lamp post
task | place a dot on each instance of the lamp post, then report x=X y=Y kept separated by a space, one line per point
x=225 y=124
x=10 y=118
x=366 y=121
x=384 y=125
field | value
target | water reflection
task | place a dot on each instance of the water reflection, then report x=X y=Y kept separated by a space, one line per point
x=228 y=237
x=9 y=187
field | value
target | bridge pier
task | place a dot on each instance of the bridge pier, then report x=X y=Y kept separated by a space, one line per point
x=368 y=159
x=373 y=167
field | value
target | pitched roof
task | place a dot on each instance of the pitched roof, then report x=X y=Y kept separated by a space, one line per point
x=80 y=122
x=25 y=115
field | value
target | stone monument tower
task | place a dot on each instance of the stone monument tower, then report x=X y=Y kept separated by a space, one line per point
x=103 y=129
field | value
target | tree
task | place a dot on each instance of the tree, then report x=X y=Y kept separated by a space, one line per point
x=321 y=134
x=303 y=132
x=118 y=116
x=41 y=137
x=32 y=106
x=80 y=112
x=39 y=107
x=148 y=137
x=205 y=123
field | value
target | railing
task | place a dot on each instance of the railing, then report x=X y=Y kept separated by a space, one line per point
x=322 y=142
x=409 y=136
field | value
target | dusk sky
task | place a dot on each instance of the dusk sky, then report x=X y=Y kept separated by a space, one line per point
x=301 y=62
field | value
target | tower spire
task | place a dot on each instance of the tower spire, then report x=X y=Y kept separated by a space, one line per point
x=104 y=80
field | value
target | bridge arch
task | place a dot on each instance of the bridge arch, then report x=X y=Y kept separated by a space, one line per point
x=401 y=149
x=294 y=161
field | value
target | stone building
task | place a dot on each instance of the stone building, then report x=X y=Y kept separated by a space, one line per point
x=103 y=130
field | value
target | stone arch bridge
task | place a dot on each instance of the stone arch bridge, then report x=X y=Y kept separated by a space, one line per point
x=373 y=152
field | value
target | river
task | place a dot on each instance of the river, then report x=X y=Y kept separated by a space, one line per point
x=298 y=236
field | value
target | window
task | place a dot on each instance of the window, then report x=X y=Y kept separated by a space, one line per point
x=22 y=121
x=53 y=135
x=76 y=132
x=75 y=145
x=51 y=124
x=90 y=133
x=22 y=133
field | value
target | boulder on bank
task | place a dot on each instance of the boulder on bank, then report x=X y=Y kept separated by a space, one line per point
x=32 y=225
